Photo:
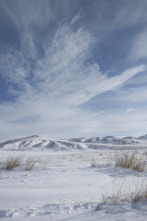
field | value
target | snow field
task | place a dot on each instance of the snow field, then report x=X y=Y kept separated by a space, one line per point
x=66 y=186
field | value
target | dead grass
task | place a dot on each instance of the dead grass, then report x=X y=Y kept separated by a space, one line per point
x=1 y=165
x=30 y=163
x=93 y=163
x=138 y=196
x=121 y=192
x=13 y=162
x=117 y=193
x=96 y=163
x=131 y=161
x=140 y=192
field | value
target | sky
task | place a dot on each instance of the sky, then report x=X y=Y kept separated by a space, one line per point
x=73 y=68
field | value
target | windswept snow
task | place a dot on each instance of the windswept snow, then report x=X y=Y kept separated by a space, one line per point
x=63 y=185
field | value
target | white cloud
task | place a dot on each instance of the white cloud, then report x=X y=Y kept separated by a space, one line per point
x=51 y=86
x=61 y=80
x=130 y=13
x=134 y=95
x=66 y=75
x=139 y=48
x=38 y=12
x=59 y=121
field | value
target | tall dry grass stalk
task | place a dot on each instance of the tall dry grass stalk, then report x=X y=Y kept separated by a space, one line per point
x=13 y=162
x=121 y=191
x=131 y=161
x=30 y=163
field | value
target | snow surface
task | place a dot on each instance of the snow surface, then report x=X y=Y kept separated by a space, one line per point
x=63 y=185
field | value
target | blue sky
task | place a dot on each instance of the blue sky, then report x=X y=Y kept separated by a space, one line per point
x=73 y=68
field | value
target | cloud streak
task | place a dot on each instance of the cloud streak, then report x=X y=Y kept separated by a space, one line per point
x=64 y=74
x=139 y=48
x=52 y=77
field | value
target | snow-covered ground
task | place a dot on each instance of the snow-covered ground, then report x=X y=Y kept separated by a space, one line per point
x=63 y=185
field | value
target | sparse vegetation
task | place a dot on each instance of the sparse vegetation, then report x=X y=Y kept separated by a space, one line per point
x=13 y=162
x=119 y=193
x=139 y=195
x=30 y=163
x=131 y=161
x=93 y=163
x=1 y=165
x=140 y=192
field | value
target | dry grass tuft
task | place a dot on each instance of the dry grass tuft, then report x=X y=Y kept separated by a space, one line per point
x=128 y=160
x=30 y=163
x=1 y=165
x=13 y=162
x=138 y=196
x=93 y=163
x=120 y=193
x=140 y=192
x=117 y=193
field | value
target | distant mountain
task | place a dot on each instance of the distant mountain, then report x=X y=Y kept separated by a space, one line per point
x=129 y=137
x=35 y=142
x=17 y=140
x=142 y=137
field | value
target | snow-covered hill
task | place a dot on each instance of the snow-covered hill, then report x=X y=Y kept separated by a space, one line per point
x=38 y=143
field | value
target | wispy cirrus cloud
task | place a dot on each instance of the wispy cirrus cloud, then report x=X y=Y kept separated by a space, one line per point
x=38 y=12
x=52 y=77
x=64 y=73
x=139 y=46
x=130 y=13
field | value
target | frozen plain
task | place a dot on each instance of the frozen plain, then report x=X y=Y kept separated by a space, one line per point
x=63 y=185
